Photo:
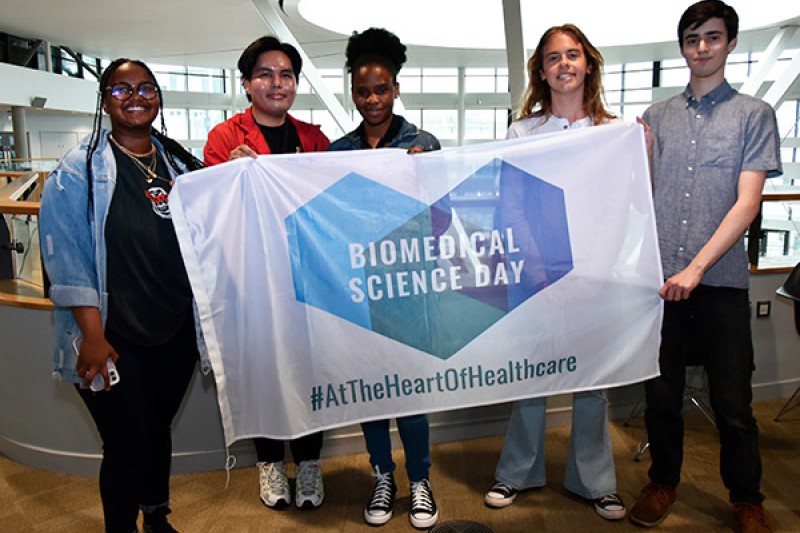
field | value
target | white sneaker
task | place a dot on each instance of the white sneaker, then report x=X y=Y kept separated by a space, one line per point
x=273 y=485
x=424 y=512
x=310 y=492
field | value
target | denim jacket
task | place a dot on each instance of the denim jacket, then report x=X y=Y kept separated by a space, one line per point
x=74 y=248
x=407 y=137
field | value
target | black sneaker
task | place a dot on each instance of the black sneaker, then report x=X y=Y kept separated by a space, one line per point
x=500 y=495
x=381 y=504
x=423 y=513
x=610 y=507
x=156 y=522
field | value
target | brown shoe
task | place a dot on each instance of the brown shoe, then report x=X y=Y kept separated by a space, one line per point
x=652 y=505
x=752 y=517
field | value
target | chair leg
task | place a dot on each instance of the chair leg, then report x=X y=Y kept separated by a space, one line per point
x=788 y=405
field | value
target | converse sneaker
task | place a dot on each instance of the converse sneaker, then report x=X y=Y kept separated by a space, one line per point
x=610 y=507
x=424 y=512
x=156 y=521
x=500 y=495
x=274 y=485
x=310 y=492
x=381 y=504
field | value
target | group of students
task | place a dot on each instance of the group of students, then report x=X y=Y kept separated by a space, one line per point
x=121 y=291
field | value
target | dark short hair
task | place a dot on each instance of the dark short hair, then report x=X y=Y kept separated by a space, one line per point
x=698 y=14
x=268 y=43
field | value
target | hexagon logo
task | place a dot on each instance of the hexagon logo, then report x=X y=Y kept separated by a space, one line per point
x=433 y=277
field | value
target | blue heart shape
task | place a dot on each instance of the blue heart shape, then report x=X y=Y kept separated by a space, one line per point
x=431 y=277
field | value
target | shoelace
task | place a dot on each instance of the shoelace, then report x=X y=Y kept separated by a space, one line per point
x=307 y=478
x=382 y=497
x=276 y=479
x=610 y=499
x=501 y=488
x=421 y=500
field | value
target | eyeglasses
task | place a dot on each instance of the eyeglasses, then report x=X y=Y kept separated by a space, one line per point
x=123 y=91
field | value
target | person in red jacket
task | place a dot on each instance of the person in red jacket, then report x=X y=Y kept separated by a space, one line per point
x=269 y=72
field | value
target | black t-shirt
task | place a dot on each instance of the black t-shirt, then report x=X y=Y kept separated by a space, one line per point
x=282 y=139
x=149 y=296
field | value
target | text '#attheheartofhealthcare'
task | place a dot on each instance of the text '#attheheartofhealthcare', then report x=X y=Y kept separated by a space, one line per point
x=360 y=391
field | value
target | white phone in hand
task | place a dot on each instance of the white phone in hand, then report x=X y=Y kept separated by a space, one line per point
x=98 y=383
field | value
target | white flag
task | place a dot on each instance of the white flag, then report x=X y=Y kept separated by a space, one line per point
x=341 y=287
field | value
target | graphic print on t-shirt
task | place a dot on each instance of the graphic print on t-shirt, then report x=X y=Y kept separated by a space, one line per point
x=158 y=196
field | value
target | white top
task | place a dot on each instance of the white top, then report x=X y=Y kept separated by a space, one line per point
x=545 y=124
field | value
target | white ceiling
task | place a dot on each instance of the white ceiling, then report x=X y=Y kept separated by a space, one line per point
x=214 y=32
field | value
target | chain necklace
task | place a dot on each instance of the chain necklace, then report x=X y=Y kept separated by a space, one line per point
x=148 y=171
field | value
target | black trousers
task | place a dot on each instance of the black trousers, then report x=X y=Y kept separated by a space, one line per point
x=305 y=448
x=712 y=327
x=134 y=420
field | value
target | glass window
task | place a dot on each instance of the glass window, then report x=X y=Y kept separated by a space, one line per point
x=640 y=95
x=177 y=123
x=325 y=120
x=170 y=78
x=414 y=116
x=202 y=120
x=629 y=112
x=206 y=80
x=443 y=123
x=479 y=80
x=501 y=123
x=439 y=80
x=677 y=76
x=479 y=124
x=788 y=114
x=638 y=78
x=612 y=79
x=779 y=245
x=333 y=78
x=502 y=80
x=303 y=86
x=737 y=68
x=410 y=80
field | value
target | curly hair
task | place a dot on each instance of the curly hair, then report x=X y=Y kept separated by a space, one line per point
x=538 y=100
x=375 y=46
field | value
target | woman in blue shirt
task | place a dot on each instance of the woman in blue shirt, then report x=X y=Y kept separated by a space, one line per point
x=121 y=291
x=374 y=58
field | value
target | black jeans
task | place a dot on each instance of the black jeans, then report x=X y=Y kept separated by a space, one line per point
x=712 y=328
x=134 y=421
x=305 y=448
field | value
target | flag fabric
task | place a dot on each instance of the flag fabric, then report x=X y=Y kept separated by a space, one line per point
x=341 y=287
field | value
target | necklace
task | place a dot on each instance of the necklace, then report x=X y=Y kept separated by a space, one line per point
x=149 y=170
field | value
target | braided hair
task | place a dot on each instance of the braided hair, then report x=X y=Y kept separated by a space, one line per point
x=172 y=149
x=375 y=46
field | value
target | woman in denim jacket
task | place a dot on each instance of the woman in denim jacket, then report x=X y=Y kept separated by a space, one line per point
x=121 y=291
x=374 y=57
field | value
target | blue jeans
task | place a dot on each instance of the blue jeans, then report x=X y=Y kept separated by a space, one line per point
x=590 y=469
x=134 y=420
x=416 y=444
x=712 y=328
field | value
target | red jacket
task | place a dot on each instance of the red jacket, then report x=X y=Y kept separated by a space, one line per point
x=242 y=129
